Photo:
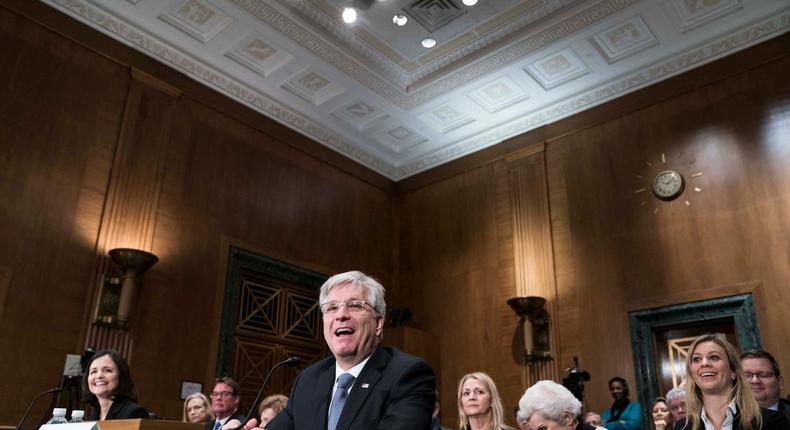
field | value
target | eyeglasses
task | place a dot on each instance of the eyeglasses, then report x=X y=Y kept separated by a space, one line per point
x=222 y=394
x=760 y=375
x=352 y=306
x=677 y=407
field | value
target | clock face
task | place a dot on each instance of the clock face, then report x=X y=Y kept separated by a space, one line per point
x=668 y=185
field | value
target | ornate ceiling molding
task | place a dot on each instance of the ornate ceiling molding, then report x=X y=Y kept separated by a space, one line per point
x=748 y=36
x=209 y=76
x=509 y=94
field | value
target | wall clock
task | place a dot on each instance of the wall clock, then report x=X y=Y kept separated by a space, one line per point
x=667 y=180
x=668 y=185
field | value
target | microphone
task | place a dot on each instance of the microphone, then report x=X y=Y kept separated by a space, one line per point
x=290 y=362
x=33 y=402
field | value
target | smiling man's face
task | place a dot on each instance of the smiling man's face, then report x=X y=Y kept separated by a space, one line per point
x=351 y=335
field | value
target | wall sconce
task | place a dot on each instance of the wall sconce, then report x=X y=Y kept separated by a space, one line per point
x=118 y=292
x=535 y=322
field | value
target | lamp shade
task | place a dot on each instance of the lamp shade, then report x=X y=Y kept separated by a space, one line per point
x=526 y=305
x=133 y=260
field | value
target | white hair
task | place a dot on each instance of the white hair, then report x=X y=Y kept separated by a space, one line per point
x=676 y=392
x=374 y=290
x=550 y=399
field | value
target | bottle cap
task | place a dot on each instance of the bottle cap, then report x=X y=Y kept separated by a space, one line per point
x=59 y=411
x=76 y=413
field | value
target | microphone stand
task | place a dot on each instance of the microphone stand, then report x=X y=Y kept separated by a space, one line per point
x=33 y=402
x=290 y=362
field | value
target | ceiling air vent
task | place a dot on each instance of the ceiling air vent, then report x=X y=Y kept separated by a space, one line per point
x=435 y=14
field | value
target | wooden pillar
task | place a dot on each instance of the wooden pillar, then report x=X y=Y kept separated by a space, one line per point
x=131 y=204
x=532 y=248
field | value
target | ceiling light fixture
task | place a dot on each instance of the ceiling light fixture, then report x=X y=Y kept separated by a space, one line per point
x=469 y=2
x=428 y=43
x=400 y=20
x=349 y=15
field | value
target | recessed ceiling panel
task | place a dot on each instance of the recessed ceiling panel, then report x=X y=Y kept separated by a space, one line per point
x=370 y=92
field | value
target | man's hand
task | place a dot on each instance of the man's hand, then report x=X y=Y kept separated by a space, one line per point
x=252 y=424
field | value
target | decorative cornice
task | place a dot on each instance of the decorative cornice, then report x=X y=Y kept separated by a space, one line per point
x=520 y=49
x=741 y=39
x=323 y=49
x=397 y=96
x=212 y=78
x=396 y=72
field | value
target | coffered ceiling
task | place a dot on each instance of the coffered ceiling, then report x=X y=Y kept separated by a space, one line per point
x=371 y=92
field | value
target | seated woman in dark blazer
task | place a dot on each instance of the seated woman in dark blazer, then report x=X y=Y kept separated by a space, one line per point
x=110 y=388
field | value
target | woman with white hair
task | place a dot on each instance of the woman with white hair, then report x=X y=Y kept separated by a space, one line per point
x=548 y=405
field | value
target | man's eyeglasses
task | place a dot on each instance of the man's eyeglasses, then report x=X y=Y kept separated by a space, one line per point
x=352 y=306
x=760 y=375
x=222 y=394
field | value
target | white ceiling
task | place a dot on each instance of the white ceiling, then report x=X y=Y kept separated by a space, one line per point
x=372 y=93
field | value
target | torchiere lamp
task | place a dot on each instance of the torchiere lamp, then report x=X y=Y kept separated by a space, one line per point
x=132 y=263
x=535 y=322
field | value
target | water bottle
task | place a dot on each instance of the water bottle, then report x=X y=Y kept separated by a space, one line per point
x=76 y=416
x=58 y=416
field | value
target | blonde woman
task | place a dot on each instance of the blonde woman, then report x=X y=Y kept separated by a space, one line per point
x=718 y=397
x=479 y=404
x=197 y=409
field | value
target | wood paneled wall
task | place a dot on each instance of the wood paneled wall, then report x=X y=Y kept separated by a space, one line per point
x=78 y=127
x=610 y=253
x=58 y=133
x=95 y=155
x=730 y=227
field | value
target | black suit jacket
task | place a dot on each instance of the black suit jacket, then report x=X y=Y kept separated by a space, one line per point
x=772 y=420
x=776 y=420
x=394 y=391
x=121 y=409
x=237 y=415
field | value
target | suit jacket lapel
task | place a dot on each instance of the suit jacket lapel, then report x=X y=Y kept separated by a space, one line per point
x=323 y=395
x=366 y=382
x=115 y=409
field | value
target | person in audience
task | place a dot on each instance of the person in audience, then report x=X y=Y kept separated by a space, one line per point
x=548 y=405
x=479 y=404
x=717 y=394
x=623 y=414
x=521 y=420
x=197 y=409
x=765 y=379
x=676 y=400
x=271 y=406
x=110 y=388
x=593 y=418
x=224 y=403
x=662 y=417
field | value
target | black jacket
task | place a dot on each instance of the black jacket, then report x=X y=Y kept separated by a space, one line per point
x=772 y=420
x=237 y=415
x=395 y=391
x=121 y=409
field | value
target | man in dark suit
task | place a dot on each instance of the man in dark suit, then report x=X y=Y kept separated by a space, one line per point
x=362 y=386
x=224 y=403
x=765 y=380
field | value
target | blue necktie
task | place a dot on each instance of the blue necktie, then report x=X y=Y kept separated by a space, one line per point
x=341 y=394
x=217 y=425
